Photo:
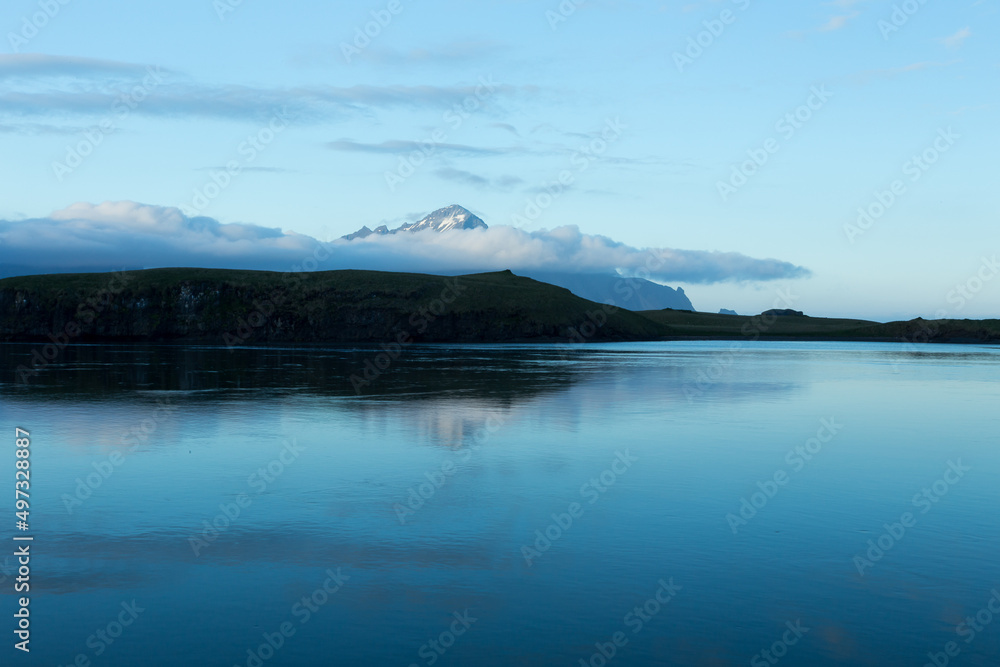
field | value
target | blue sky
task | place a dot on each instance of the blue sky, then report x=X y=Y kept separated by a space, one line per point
x=542 y=81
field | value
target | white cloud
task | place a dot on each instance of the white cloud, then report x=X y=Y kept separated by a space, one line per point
x=43 y=86
x=838 y=22
x=113 y=235
x=957 y=39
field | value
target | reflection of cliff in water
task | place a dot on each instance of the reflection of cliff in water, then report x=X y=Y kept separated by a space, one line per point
x=419 y=373
x=497 y=375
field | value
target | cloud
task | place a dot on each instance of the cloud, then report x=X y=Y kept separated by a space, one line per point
x=40 y=65
x=563 y=249
x=956 y=40
x=892 y=72
x=507 y=127
x=30 y=129
x=838 y=22
x=399 y=147
x=113 y=235
x=455 y=53
x=463 y=177
x=56 y=86
x=266 y=170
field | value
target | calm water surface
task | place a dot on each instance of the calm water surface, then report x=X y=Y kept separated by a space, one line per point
x=429 y=505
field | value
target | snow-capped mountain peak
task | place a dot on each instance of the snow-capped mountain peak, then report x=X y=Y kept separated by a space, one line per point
x=441 y=220
x=445 y=219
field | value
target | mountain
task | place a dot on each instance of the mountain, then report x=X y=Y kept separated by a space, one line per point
x=364 y=232
x=629 y=293
x=441 y=220
x=446 y=219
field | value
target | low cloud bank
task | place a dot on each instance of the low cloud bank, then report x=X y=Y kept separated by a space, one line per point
x=113 y=235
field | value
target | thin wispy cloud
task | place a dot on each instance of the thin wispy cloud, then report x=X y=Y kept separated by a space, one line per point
x=49 y=86
x=507 y=127
x=404 y=147
x=838 y=22
x=463 y=177
x=40 y=65
x=456 y=53
x=262 y=170
x=449 y=54
x=892 y=72
x=957 y=39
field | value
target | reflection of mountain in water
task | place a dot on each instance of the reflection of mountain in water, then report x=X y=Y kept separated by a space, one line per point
x=419 y=373
x=447 y=394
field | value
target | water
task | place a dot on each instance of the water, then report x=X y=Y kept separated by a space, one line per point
x=418 y=500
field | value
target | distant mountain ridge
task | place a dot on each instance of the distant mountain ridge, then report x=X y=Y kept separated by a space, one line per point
x=630 y=293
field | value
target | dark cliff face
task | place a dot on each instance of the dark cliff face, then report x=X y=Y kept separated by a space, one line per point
x=247 y=307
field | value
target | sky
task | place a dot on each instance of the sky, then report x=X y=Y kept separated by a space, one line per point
x=843 y=152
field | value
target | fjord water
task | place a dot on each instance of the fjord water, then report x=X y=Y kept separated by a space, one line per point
x=424 y=499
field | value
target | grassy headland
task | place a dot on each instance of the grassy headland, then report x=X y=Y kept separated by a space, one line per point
x=235 y=307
